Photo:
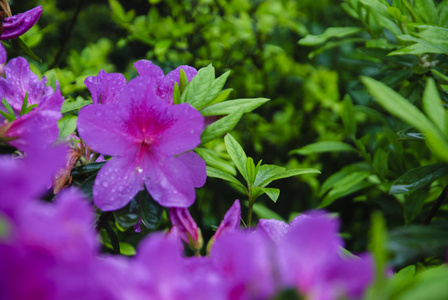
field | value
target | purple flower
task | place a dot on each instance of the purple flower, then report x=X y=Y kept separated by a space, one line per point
x=188 y=230
x=164 y=84
x=230 y=222
x=19 y=83
x=149 y=140
x=105 y=87
x=310 y=260
x=15 y=26
x=274 y=229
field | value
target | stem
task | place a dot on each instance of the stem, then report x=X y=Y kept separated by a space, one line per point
x=436 y=206
x=103 y=219
x=67 y=35
x=251 y=205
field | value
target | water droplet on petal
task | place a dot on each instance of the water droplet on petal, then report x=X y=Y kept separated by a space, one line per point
x=105 y=184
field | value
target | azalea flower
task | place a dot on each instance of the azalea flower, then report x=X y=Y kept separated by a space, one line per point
x=43 y=104
x=150 y=142
x=105 y=87
x=15 y=26
x=164 y=85
x=187 y=228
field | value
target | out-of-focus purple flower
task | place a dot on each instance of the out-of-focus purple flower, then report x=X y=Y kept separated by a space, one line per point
x=15 y=26
x=246 y=263
x=274 y=229
x=3 y=58
x=231 y=222
x=188 y=230
x=105 y=87
x=313 y=247
x=164 y=85
x=19 y=83
x=52 y=252
x=149 y=140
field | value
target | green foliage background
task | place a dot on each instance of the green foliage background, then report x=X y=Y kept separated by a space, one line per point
x=321 y=114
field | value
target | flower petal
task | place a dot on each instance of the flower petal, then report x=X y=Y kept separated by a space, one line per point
x=101 y=127
x=2 y=55
x=169 y=183
x=18 y=24
x=147 y=68
x=117 y=182
x=105 y=87
x=21 y=80
x=274 y=229
x=166 y=87
x=185 y=131
x=197 y=167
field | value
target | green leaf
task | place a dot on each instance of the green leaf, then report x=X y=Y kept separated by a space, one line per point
x=18 y=44
x=230 y=106
x=377 y=246
x=427 y=11
x=127 y=249
x=419 y=47
x=128 y=216
x=4 y=228
x=66 y=125
x=346 y=185
x=250 y=168
x=413 y=205
x=183 y=81
x=118 y=12
x=272 y=193
x=401 y=108
x=150 y=211
x=8 y=117
x=87 y=186
x=176 y=93
x=348 y=116
x=417 y=178
x=24 y=105
x=237 y=155
x=223 y=95
x=8 y=108
x=332 y=32
x=263 y=212
x=220 y=127
x=268 y=173
x=204 y=88
x=214 y=160
x=70 y=104
x=215 y=173
x=113 y=238
x=322 y=147
x=87 y=169
x=432 y=105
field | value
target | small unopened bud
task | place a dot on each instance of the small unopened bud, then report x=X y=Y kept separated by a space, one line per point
x=231 y=222
x=187 y=228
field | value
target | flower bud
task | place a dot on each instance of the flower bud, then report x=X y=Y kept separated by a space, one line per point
x=230 y=222
x=187 y=228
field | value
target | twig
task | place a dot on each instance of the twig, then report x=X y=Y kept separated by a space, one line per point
x=67 y=35
x=436 y=206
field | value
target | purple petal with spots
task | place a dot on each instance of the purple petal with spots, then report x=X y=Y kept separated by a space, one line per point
x=166 y=87
x=117 y=182
x=17 y=25
x=101 y=127
x=21 y=80
x=197 y=167
x=147 y=68
x=274 y=229
x=3 y=56
x=105 y=87
x=168 y=182
x=185 y=130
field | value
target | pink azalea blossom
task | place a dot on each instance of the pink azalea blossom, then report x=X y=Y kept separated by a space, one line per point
x=105 y=87
x=150 y=142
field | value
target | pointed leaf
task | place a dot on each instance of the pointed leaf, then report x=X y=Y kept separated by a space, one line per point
x=272 y=193
x=268 y=173
x=220 y=127
x=66 y=125
x=322 y=147
x=230 y=106
x=150 y=210
x=417 y=178
x=432 y=105
x=214 y=160
x=215 y=173
x=237 y=155
x=71 y=104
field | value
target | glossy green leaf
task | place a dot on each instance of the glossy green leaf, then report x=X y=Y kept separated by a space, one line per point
x=214 y=160
x=87 y=169
x=378 y=248
x=113 y=238
x=432 y=105
x=250 y=169
x=322 y=147
x=70 y=104
x=429 y=285
x=401 y=108
x=66 y=125
x=223 y=95
x=128 y=216
x=237 y=155
x=87 y=186
x=268 y=173
x=272 y=193
x=176 y=93
x=220 y=127
x=183 y=81
x=265 y=213
x=230 y=106
x=332 y=32
x=150 y=210
x=340 y=176
x=427 y=11
x=413 y=205
x=20 y=46
x=417 y=178
x=215 y=173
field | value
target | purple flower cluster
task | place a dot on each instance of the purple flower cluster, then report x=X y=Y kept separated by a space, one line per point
x=49 y=250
